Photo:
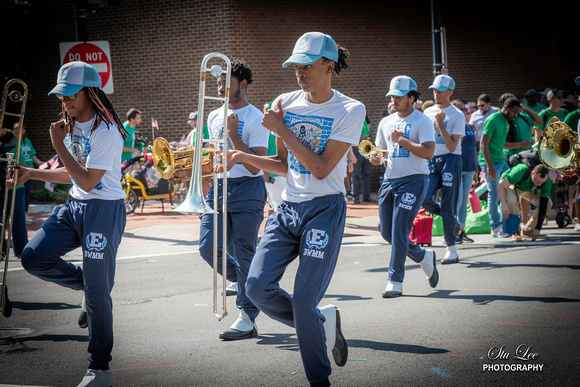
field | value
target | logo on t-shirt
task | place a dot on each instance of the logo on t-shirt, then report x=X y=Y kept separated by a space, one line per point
x=312 y=131
x=218 y=133
x=395 y=149
x=79 y=147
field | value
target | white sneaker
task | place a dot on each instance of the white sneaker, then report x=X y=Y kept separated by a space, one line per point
x=232 y=289
x=577 y=226
x=97 y=378
x=335 y=341
x=242 y=328
x=428 y=265
x=244 y=323
x=393 y=289
x=329 y=313
x=450 y=255
x=498 y=233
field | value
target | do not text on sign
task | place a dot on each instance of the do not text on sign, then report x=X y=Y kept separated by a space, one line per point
x=96 y=53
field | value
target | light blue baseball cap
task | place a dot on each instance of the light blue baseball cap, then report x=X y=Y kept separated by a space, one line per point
x=401 y=86
x=312 y=46
x=73 y=76
x=443 y=82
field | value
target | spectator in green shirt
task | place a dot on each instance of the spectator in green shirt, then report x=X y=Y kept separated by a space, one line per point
x=556 y=100
x=533 y=187
x=28 y=158
x=491 y=157
x=572 y=118
x=522 y=129
x=133 y=119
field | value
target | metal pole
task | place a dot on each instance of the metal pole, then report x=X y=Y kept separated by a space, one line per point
x=436 y=37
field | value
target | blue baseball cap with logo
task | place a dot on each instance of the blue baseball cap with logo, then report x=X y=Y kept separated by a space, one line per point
x=312 y=46
x=73 y=76
x=401 y=86
x=443 y=82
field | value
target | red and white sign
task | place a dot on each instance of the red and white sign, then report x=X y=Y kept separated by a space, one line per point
x=97 y=54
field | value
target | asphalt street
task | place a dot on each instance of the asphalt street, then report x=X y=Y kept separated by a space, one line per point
x=506 y=314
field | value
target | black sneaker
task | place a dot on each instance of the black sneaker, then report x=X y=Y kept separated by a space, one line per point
x=464 y=238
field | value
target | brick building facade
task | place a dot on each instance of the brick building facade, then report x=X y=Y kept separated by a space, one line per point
x=157 y=47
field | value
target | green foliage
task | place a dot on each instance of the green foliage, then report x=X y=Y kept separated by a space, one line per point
x=59 y=196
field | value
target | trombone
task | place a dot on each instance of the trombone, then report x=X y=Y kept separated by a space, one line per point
x=366 y=148
x=16 y=95
x=194 y=201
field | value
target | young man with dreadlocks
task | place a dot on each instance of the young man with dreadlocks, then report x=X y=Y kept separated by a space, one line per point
x=315 y=126
x=89 y=142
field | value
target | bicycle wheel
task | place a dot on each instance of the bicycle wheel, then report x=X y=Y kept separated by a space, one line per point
x=180 y=194
x=131 y=201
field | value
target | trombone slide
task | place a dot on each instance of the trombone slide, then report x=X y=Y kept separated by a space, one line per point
x=16 y=96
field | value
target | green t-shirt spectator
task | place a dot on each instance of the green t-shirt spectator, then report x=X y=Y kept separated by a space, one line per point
x=572 y=120
x=496 y=127
x=547 y=113
x=538 y=108
x=129 y=141
x=523 y=124
x=365 y=129
x=27 y=153
x=516 y=173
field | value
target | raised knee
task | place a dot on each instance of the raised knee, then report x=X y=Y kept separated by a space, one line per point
x=29 y=261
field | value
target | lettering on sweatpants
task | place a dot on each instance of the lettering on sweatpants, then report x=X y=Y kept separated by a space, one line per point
x=316 y=241
x=95 y=242
x=407 y=200
x=447 y=179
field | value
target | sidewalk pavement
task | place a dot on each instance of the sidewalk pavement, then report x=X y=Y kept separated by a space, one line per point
x=362 y=220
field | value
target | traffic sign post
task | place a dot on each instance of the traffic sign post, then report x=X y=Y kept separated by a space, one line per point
x=97 y=54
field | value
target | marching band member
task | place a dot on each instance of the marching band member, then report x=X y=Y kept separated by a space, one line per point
x=315 y=126
x=408 y=136
x=445 y=167
x=89 y=143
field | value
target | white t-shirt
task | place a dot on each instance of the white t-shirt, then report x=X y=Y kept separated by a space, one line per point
x=454 y=122
x=401 y=162
x=100 y=150
x=250 y=130
x=340 y=119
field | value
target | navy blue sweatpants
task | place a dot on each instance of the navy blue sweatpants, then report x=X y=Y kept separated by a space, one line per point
x=399 y=201
x=444 y=173
x=245 y=207
x=97 y=227
x=313 y=231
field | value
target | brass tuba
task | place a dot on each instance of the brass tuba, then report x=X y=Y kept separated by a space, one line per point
x=16 y=95
x=558 y=148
